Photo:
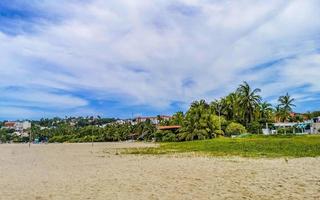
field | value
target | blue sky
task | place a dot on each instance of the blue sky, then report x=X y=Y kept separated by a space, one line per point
x=122 y=58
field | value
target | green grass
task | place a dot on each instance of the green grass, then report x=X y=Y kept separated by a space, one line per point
x=250 y=146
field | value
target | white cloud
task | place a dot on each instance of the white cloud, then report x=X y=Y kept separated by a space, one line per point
x=141 y=52
x=11 y=112
x=43 y=99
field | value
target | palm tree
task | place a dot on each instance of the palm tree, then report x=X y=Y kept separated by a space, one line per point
x=286 y=104
x=280 y=114
x=277 y=113
x=265 y=111
x=231 y=106
x=196 y=123
x=216 y=106
x=177 y=119
x=248 y=101
x=145 y=130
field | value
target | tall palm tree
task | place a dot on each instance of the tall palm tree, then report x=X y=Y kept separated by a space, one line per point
x=249 y=100
x=177 y=118
x=265 y=112
x=216 y=106
x=196 y=123
x=232 y=106
x=279 y=114
x=286 y=104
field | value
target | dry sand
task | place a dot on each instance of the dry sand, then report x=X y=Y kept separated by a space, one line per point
x=72 y=171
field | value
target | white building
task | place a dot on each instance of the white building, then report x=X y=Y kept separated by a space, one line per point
x=307 y=127
x=315 y=128
x=315 y=125
x=19 y=127
x=23 y=125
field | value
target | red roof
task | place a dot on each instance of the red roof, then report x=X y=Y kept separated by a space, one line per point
x=168 y=127
x=9 y=124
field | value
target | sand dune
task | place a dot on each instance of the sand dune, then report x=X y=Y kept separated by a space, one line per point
x=73 y=171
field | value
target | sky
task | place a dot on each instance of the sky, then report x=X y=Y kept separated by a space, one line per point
x=124 y=58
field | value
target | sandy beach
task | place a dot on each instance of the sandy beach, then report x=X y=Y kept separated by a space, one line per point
x=78 y=171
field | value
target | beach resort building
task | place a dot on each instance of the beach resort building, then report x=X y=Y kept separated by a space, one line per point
x=306 y=127
x=315 y=126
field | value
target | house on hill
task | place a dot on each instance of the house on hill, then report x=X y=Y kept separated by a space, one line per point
x=20 y=128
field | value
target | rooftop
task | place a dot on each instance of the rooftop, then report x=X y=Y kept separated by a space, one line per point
x=168 y=127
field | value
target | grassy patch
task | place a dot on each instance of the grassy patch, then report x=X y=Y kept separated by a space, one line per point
x=254 y=146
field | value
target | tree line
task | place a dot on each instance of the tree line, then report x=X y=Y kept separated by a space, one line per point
x=241 y=111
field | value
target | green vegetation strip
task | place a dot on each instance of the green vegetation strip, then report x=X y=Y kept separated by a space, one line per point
x=252 y=146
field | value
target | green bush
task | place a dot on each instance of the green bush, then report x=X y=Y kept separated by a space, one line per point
x=158 y=135
x=217 y=122
x=165 y=136
x=74 y=140
x=255 y=127
x=235 y=129
x=169 y=137
x=19 y=139
x=218 y=133
x=60 y=138
x=57 y=138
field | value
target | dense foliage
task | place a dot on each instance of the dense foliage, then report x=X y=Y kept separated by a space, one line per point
x=239 y=112
x=7 y=135
x=235 y=129
x=110 y=132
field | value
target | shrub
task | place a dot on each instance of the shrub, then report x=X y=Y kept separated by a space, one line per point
x=165 y=136
x=169 y=137
x=255 y=127
x=158 y=135
x=214 y=119
x=58 y=139
x=235 y=129
x=218 y=133
x=74 y=140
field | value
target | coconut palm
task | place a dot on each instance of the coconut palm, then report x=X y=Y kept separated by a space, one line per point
x=227 y=106
x=265 y=112
x=280 y=114
x=177 y=119
x=196 y=123
x=231 y=106
x=248 y=101
x=286 y=104
x=216 y=106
